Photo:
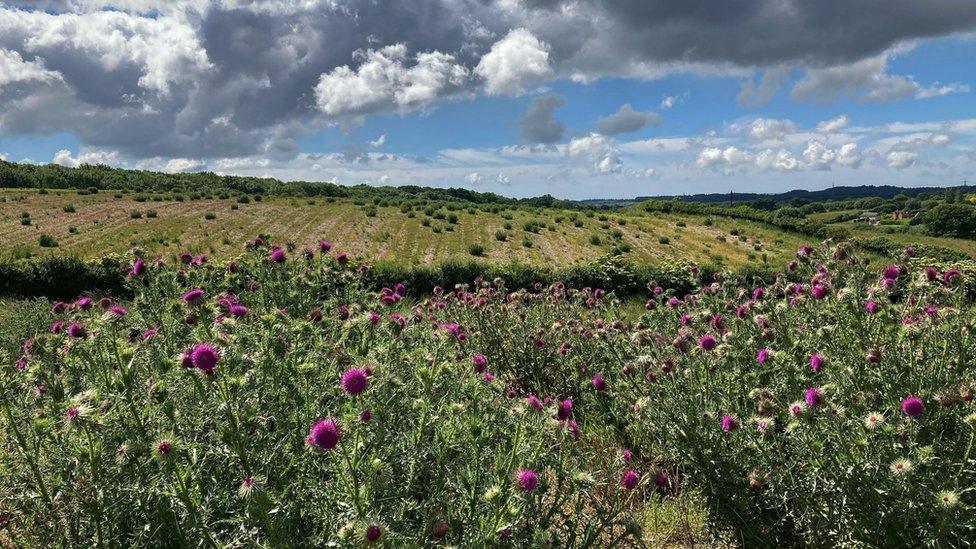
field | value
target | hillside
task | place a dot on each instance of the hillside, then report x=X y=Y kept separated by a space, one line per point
x=412 y=232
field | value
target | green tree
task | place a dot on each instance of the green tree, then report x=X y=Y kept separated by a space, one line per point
x=955 y=219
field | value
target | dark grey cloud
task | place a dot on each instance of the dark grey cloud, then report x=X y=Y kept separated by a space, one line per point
x=626 y=120
x=538 y=125
x=753 y=33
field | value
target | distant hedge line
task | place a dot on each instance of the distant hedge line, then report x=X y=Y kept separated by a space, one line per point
x=56 y=277
x=786 y=222
x=59 y=277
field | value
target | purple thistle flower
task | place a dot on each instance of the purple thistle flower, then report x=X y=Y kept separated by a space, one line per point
x=325 y=246
x=354 y=381
x=816 y=362
x=366 y=416
x=599 y=383
x=236 y=310
x=117 y=311
x=324 y=434
x=83 y=303
x=57 y=327
x=871 y=307
x=373 y=533
x=813 y=397
x=762 y=356
x=204 y=357
x=534 y=402
x=819 y=291
x=164 y=447
x=629 y=479
x=76 y=330
x=138 y=268
x=193 y=297
x=480 y=362
x=277 y=255
x=912 y=406
x=528 y=480
x=729 y=423
x=565 y=409
x=707 y=342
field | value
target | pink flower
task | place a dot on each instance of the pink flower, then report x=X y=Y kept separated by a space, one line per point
x=629 y=479
x=599 y=383
x=354 y=381
x=912 y=406
x=528 y=480
x=324 y=434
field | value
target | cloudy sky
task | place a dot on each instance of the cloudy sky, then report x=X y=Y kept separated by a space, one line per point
x=576 y=98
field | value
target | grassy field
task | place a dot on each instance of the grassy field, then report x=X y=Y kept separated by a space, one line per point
x=93 y=225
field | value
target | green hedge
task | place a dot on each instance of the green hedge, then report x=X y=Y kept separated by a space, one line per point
x=888 y=247
x=62 y=277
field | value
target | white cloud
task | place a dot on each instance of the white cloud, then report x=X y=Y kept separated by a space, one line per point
x=88 y=156
x=515 y=62
x=668 y=101
x=782 y=160
x=176 y=165
x=711 y=157
x=901 y=159
x=383 y=180
x=818 y=156
x=13 y=68
x=771 y=129
x=849 y=155
x=384 y=81
x=378 y=142
x=474 y=178
x=833 y=125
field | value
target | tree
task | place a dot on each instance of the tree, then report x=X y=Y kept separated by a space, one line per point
x=957 y=220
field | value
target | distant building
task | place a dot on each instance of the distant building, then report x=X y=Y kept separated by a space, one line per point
x=870 y=217
x=902 y=214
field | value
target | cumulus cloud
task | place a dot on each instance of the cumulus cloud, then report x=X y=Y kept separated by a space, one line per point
x=771 y=129
x=599 y=148
x=900 y=160
x=626 y=120
x=818 y=156
x=385 y=81
x=833 y=125
x=13 y=68
x=782 y=160
x=538 y=125
x=849 y=155
x=64 y=158
x=515 y=62
x=865 y=80
x=713 y=157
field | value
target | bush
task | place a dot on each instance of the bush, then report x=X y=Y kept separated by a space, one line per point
x=47 y=241
x=135 y=214
x=68 y=208
x=476 y=250
x=210 y=216
x=152 y=213
x=663 y=239
x=954 y=220
x=501 y=235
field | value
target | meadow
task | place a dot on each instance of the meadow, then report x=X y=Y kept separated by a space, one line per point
x=275 y=400
x=409 y=232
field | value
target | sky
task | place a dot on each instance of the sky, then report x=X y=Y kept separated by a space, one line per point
x=574 y=98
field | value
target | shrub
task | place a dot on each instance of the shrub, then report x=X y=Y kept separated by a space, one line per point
x=663 y=239
x=47 y=241
x=209 y=216
x=135 y=214
x=476 y=250
x=68 y=208
x=501 y=235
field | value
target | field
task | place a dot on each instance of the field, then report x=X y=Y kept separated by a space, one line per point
x=278 y=402
x=99 y=224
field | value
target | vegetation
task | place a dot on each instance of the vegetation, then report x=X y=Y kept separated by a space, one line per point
x=280 y=400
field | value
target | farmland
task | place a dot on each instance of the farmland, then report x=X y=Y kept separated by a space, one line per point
x=92 y=225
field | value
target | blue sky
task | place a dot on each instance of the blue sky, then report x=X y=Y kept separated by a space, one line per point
x=579 y=99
